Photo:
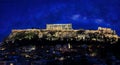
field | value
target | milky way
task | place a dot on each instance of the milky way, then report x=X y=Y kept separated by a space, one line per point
x=86 y=14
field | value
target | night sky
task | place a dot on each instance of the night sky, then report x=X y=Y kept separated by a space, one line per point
x=86 y=14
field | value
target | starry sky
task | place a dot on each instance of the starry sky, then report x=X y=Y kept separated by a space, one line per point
x=86 y=14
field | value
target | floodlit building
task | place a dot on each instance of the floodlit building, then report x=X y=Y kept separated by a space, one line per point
x=106 y=30
x=59 y=26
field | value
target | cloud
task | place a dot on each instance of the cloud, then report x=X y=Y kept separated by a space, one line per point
x=76 y=17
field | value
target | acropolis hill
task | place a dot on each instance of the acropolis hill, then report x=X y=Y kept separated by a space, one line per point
x=60 y=43
x=62 y=32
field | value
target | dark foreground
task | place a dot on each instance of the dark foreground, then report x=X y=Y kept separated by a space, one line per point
x=61 y=53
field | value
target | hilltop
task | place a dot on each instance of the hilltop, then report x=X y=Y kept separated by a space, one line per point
x=61 y=33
